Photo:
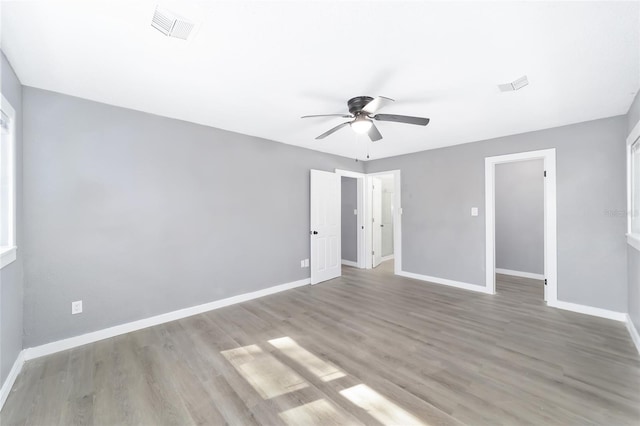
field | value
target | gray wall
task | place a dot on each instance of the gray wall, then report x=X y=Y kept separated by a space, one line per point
x=139 y=215
x=11 y=276
x=519 y=208
x=440 y=238
x=633 y=116
x=633 y=255
x=349 y=220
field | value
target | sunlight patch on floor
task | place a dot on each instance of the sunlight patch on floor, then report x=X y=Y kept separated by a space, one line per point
x=325 y=371
x=319 y=412
x=379 y=407
x=268 y=376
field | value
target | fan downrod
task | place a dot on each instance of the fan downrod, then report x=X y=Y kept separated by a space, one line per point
x=356 y=104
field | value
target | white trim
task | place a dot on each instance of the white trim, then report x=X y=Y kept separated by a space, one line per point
x=633 y=241
x=360 y=179
x=11 y=378
x=550 y=230
x=444 y=281
x=385 y=258
x=117 y=330
x=520 y=274
x=7 y=255
x=10 y=254
x=633 y=332
x=634 y=135
x=350 y=263
x=349 y=173
x=589 y=310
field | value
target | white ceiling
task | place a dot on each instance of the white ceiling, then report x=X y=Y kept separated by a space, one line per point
x=256 y=67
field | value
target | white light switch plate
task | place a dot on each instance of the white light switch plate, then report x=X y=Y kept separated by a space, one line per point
x=474 y=211
x=76 y=307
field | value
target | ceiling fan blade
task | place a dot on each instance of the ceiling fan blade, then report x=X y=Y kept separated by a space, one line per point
x=335 y=129
x=374 y=133
x=327 y=115
x=420 y=121
x=376 y=104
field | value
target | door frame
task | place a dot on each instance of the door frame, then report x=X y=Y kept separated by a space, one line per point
x=550 y=218
x=360 y=203
x=376 y=230
x=397 y=219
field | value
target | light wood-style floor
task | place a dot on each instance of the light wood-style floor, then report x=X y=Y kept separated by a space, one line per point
x=368 y=348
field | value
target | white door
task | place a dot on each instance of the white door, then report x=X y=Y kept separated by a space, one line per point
x=376 y=218
x=325 y=226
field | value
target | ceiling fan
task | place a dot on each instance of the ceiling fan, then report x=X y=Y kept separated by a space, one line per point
x=362 y=109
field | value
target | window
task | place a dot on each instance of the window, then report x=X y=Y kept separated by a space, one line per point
x=7 y=184
x=633 y=187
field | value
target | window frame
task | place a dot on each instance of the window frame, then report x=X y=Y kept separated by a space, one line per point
x=633 y=239
x=8 y=252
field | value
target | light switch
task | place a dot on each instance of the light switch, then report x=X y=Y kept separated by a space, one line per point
x=474 y=211
x=355 y=212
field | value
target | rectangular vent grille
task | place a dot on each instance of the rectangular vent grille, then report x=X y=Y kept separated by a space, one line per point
x=170 y=24
x=514 y=85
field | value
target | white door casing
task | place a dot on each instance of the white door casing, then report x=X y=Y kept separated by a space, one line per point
x=325 y=230
x=376 y=220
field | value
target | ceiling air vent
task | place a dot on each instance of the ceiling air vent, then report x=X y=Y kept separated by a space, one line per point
x=514 y=85
x=170 y=24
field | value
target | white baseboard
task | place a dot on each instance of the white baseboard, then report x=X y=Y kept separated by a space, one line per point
x=385 y=258
x=350 y=263
x=520 y=274
x=444 y=281
x=589 y=310
x=117 y=330
x=633 y=332
x=11 y=378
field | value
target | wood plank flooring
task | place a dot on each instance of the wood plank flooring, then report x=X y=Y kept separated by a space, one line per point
x=368 y=348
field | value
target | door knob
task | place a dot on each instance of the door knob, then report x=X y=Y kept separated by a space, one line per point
x=314 y=232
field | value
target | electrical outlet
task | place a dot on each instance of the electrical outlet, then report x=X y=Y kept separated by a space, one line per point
x=306 y=263
x=474 y=211
x=76 y=307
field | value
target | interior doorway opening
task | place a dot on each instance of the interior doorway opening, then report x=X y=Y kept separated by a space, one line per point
x=519 y=228
x=388 y=225
x=550 y=274
x=349 y=219
x=382 y=212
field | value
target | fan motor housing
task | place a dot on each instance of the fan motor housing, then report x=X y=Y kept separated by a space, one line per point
x=356 y=104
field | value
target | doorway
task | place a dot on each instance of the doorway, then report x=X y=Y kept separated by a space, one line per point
x=519 y=222
x=349 y=218
x=549 y=243
x=383 y=239
x=391 y=231
x=382 y=209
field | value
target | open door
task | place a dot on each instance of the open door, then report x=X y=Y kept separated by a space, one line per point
x=325 y=226
x=376 y=219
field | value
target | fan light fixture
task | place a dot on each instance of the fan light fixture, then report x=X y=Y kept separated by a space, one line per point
x=362 y=111
x=361 y=124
